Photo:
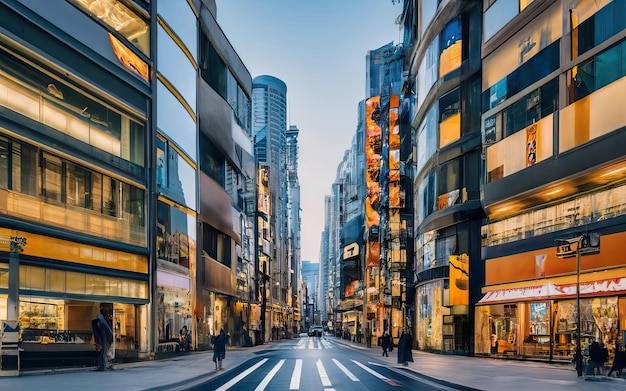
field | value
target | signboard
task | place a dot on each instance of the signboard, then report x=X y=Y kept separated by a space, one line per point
x=589 y=244
x=351 y=250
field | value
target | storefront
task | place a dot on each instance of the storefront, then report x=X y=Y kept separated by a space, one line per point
x=173 y=309
x=529 y=308
x=547 y=329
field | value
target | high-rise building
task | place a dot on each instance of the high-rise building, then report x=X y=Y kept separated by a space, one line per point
x=293 y=229
x=224 y=274
x=554 y=189
x=310 y=279
x=128 y=186
x=269 y=126
x=443 y=79
x=75 y=177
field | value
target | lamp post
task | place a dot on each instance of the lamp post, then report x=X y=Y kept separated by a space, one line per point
x=590 y=244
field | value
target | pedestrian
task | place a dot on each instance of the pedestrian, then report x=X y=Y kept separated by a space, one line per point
x=596 y=361
x=404 y=349
x=385 y=342
x=219 y=349
x=103 y=339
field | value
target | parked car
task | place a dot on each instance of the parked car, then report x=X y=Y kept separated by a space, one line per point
x=316 y=331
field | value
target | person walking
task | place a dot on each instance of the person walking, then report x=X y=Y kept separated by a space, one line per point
x=219 y=349
x=385 y=342
x=404 y=349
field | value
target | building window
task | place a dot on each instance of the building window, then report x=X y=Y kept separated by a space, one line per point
x=216 y=245
x=212 y=162
x=120 y=18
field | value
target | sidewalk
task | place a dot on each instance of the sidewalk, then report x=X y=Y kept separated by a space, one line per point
x=492 y=374
x=183 y=371
x=176 y=373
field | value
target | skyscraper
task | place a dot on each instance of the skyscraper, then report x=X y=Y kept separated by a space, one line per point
x=269 y=127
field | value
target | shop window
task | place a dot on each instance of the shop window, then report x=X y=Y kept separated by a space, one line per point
x=175 y=235
x=84 y=187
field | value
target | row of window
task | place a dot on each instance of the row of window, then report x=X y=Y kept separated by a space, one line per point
x=176 y=235
x=434 y=248
x=45 y=99
x=28 y=170
x=444 y=186
x=605 y=23
x=216 y=73
x=443 y=56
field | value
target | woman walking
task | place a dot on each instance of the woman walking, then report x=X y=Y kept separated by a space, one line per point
x=219 y=349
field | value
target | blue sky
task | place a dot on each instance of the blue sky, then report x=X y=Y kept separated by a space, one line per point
x=318 y=49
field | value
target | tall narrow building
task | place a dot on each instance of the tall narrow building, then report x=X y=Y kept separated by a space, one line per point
x=269 y=127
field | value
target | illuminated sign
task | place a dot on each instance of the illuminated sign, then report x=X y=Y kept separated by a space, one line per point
x=351 y=250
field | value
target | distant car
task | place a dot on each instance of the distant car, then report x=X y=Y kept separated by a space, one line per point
x=316 y=331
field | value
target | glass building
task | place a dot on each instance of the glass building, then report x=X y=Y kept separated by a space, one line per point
x=553 y=174
x=74 y=176
x=441 y=42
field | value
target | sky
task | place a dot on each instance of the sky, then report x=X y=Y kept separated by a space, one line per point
x=318 y=49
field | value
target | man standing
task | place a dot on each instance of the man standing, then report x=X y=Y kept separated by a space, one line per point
x=103 y=339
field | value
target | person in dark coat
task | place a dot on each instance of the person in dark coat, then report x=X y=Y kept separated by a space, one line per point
x=103 y=338
x=385 y=342
x=219 y=349
x=596 y=361
x=404 y=349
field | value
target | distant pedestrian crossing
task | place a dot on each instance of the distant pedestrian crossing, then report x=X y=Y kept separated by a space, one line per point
x=313 y=343
x=319 y=373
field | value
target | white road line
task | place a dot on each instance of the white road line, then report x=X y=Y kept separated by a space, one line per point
x=308 y=346
x=419 y=379
x=269 y=376
x=378 y=375
x=323 y=376
x=242 y=375
x=345 y=370
x=319 y=343
x=295 y=376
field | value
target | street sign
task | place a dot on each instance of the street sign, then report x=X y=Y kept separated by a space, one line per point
x=589 y=244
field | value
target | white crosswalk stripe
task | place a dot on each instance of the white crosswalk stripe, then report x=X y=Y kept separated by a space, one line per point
x=313 y=343
x=296 y=375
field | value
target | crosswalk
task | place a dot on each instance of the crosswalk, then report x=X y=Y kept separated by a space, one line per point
x=313 y=343
x=325 y=372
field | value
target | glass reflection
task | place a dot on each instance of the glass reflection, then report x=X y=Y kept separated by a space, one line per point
x=176 y=67
x=176 y=232
x=182 y=21
x=174 y=121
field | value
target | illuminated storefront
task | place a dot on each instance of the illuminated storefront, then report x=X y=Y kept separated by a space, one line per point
x=529 y=307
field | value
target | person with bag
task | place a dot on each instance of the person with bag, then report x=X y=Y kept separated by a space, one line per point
x=103 y=339
x=219 y=349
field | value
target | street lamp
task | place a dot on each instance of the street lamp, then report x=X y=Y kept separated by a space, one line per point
x=590 y=243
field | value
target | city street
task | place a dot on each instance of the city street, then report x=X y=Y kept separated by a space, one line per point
x=317 y=364
x=310 y=363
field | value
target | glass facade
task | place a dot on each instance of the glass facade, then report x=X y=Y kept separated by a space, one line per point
x=175 y=122
x=176 y=67
x=176 y=235
x=70 y=111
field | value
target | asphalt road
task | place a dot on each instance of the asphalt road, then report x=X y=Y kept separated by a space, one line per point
x=314 y=363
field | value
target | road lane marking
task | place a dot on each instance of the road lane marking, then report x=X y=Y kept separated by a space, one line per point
x=345 y=370
x=295 y=377
x=269 y=376
x=323 y=376
x=378 y=375
x=242 y=375
x=319 y=344
x=308 y=346
x=411 y=376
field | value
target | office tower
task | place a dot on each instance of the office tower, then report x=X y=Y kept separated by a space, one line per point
x=443 y=79
x=269 y=127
